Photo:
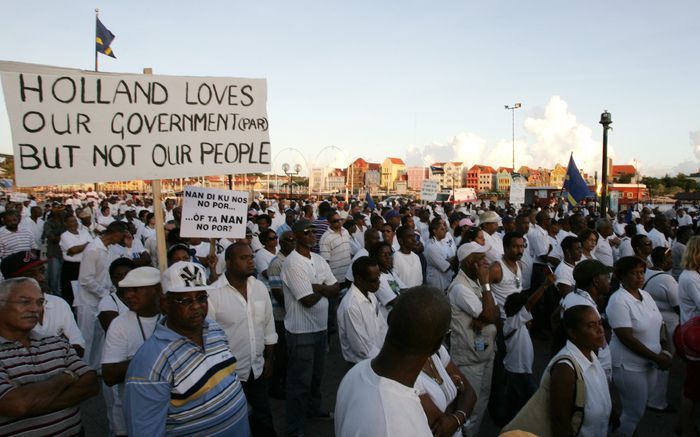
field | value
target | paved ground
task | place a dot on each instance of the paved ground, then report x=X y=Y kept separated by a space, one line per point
x=652 y=425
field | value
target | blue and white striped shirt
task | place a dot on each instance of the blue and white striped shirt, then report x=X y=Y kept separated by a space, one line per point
x=175 y=387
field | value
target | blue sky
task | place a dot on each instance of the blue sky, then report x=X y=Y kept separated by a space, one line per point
x=413 y=79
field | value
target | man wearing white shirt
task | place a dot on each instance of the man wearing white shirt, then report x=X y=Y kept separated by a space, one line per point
x=603 y=251
x=371 y=239
x=489 y=224
x=540 y=250
x=128 y=331
x=361 y=326
x=522 y=225
x=334 y=247
x=307 y=284
x=34 y=224
x=571 y=246
x=376 y=397
x=683 y=218
x=407 y=265
x=657 y=235
x=619 y=224
x=95 y=283
x=241 y=305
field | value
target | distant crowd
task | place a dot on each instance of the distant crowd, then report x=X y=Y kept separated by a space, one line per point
x=435 y=307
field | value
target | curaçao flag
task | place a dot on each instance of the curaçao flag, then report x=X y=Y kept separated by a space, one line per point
x=574 y=185
x=103 y=39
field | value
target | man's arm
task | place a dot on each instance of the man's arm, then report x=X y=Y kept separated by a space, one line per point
x=84 y=388
x=146 y=406
x=88 y=275
x=24 y=400
x=114 y=373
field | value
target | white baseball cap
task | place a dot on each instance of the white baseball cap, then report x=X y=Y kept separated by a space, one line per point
x=183 y=277
x=468 y=248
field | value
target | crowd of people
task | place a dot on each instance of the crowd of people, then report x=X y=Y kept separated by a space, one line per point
x=435 y=307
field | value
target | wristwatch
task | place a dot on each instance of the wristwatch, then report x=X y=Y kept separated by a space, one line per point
x=71 y=373
x=486 y=287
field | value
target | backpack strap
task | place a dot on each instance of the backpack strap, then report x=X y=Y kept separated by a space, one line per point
x=650 y=278
x=579 y=394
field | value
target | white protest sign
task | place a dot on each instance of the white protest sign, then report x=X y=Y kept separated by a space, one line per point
x=517 y=192
x=465 y=195
x=71 y=126
x=214 y=213
x=429 y=190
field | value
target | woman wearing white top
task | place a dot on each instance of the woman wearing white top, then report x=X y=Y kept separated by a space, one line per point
x=148 y=230
x=689 y=281
x=73 y=242
x=104 y=219
x=636 y=342
x=445 y=394
x=440 y=256
x=585 y=334
x=390 y=285
x=589 y=241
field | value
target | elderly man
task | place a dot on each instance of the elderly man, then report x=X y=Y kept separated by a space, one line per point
x=307 y=283
x=42 y=379
x=127 y=332
x=603 y=251
x=183 y=378
x=361 y=326
x=474 y=317
x=56 y=317
x=241 y=305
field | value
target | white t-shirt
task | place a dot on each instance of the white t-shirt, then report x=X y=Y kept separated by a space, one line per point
x=408 y=268
x=371 y=405
x=689 y=294
x=69 y=240
x=59 y=321
x=519 y=351
x=262 y=261
x=565 y=274
x=390 y=286
x=124 y=336
x=111 y=302
x=663 y=288
x=298 y=275
x=644 y=317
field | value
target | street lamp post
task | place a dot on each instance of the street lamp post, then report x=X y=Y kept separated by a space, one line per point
x=606 y=121
x=287 y=169
x=512 y=113
x=636 y=176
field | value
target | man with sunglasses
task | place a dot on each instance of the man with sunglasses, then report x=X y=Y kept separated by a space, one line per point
x=183 y=379
x=307 y=283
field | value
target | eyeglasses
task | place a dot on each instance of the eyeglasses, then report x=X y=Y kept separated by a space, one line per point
x=25 y=303
x=189 y=301
x=307 y=231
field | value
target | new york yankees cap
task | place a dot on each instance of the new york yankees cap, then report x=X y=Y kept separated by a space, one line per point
x=183 y=277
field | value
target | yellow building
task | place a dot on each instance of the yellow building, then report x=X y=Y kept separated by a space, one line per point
x=557 y=176
x=391 y=168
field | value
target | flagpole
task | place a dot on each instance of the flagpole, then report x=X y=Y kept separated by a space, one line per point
x=97 y=13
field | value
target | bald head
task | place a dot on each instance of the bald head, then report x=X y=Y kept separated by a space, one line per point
x=419 y=321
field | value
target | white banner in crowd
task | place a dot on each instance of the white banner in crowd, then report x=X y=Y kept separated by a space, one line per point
x=517 y=192
x=214 y=213
x=71 y=126
x=429 y=190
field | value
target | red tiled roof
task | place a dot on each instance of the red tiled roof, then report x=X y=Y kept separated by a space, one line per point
x=618 y=170
x=397 y=161
x=359 y=162
x=373 y=166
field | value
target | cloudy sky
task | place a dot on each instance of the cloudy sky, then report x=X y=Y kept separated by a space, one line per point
x=423 y=81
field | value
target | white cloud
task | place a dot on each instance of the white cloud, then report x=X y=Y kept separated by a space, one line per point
x=554 y=134
x=695 y=142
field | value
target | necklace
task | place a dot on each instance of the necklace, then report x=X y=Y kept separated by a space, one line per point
x=433 y=374
x=143 y=334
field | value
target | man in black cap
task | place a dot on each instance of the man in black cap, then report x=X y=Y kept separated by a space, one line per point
x=307 y=284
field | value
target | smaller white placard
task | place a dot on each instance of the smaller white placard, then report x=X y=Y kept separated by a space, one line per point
x=214 y=213
x=517 y=192
x=429 y=190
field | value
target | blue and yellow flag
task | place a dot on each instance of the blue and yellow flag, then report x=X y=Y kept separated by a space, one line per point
x=574 y=185
x=370 y=202
x=103 y=39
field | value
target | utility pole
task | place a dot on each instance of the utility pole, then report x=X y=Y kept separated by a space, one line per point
x=512 y=112
x=606 y=121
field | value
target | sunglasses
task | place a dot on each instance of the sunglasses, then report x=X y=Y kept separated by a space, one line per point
x=189 y=301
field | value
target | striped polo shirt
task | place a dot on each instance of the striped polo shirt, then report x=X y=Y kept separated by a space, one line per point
x=12 y=242
x=176 y=387
x=46 y=357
